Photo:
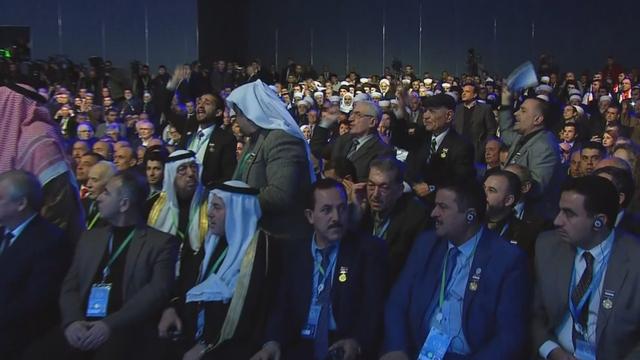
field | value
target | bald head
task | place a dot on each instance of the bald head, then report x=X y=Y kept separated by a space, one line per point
x=613 y=162
x=99 y=175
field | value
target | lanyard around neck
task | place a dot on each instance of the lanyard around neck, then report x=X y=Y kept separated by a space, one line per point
x=114 y=256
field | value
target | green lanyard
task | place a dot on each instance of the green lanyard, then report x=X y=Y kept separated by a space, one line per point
x=106 y=270
x=217 y=263
x=95 y=218
x=243 y=164
x=443 y=280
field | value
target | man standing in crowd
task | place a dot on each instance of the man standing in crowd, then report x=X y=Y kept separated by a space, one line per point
x=34 y=256
x=361 y=145
x=532 y=146
x=444 y=156
x=215 y=148
x=276 y=160
x=475 y=121
x=585 y=307
x=464 y=292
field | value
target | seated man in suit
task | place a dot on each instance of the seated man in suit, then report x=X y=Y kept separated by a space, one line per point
x=223 y=314
x=390 y=214
x=34 y=256
x=361 y=145
x=332 y=290
x=464 y=292
x=503 y=193
x=276 y=160
x=534 y=147
x=445 y=156
x=215 y=148
x=120 y=278
x=623 y=181
x=586 y=307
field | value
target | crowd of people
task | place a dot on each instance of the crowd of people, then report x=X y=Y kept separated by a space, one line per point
x=227 y=212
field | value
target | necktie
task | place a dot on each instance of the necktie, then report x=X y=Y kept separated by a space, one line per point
x=6 y=241
x=321 y=345
x=451 y=263
x=432 y=149
x=580 y=291
x=352 y=148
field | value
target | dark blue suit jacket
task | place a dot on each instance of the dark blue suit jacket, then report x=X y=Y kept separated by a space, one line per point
x=495 y=316
x=31 y=272
x=357 y=303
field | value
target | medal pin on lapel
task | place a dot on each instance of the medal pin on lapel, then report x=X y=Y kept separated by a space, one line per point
x=343 y=274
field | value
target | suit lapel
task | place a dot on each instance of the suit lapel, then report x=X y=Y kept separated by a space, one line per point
x=97 y=247
x=255 y=150
x=133 y=252
x=344 y=265
x=478 y=266
x=617 y=270
x=430 y=280
x=563 y=262
x=365 y=148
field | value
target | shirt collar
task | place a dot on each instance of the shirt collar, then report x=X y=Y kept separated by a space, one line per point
x=599 y=252
x=315 y=248
x=440 y=137
x=471 y=105
x=364 y=138
x=467 y=249
x=619 y=217
x=207 y=131
x=18 y=230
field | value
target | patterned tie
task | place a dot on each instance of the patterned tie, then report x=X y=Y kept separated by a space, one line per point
x=579 y=293
x=432 y=149
x=321 y=345
x=352 y=148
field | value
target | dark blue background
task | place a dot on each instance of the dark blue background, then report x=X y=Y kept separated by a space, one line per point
x=580 y=34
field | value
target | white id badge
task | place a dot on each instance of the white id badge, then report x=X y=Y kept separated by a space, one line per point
x=309 y=330
x=436 y=345
x=585 y=350
x=98 y=300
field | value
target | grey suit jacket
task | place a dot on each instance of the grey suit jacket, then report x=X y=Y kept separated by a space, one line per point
x=541 y=156
x=277 y=164
x=148 y=276
x=483 y=124
x=618 y=329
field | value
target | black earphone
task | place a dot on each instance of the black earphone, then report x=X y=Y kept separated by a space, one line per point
x=598 y=223
x=471 y=216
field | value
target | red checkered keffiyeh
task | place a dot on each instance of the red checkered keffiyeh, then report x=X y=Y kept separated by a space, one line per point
x=29 y=138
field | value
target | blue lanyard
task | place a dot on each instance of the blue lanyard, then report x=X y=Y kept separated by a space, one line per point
x=595 y=283
x=323 y=273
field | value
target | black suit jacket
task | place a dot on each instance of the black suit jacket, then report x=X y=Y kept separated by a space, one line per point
x=408 y=218
x=219 y=160
x=31 y=272
x=340 y=148
x=453 y=160
x=357 y=303
x=483 y=124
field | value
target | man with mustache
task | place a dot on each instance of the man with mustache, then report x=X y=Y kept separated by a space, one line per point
x=181 y=210
x=332 y=287
x=463 y=293
x=585 y=308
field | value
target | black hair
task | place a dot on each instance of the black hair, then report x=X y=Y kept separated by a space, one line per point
x=513 y=182
x=389 y=164
x=469 y=195
x=324 y=184
x=600 y=196
x=593 y=145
